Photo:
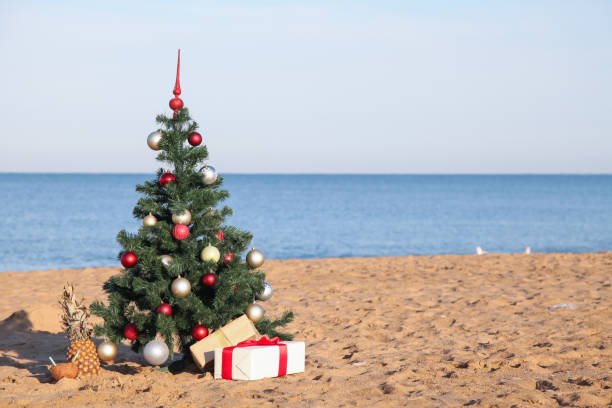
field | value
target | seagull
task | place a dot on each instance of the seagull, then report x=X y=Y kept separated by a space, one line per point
x=527 y=250
x=479 y=251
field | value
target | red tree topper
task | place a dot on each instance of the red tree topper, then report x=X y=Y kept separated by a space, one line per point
x=176 y=103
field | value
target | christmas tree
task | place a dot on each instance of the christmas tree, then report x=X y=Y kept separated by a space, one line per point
x=184 y=274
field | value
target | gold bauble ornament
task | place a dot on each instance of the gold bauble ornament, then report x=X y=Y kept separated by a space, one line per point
x=184 y=217
x=166 y=260
x=149 y=220
x=210 y=253
x=107 y=351
x=181 y=288
x=255 y=258
x=255 y=312
x=153 y=140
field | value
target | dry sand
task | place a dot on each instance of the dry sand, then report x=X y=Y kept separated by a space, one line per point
x=491 y=330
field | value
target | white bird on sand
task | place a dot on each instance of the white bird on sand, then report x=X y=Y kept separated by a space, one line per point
x=527 y=250
x=479 y=251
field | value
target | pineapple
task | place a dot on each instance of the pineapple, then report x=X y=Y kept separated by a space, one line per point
x=75 y=321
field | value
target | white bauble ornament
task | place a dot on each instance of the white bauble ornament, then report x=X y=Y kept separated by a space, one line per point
x=154 y=139
x=266 y=293
x=210 y=253
x=255 y=312
x=209 y=175
x=255 y=258
x=181 y=288
x=184 y=217
x=107 y=351
x=156 y=352
x=149 y=220
x=166 y=260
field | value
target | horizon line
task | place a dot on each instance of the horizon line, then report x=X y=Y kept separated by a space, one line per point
x=87 y=173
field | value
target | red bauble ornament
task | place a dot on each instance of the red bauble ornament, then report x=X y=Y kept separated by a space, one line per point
x=228 y=258
x=130 y=332
x=209 y=279
x=195 y=139
x=220 y=235
x=129 y=259
x=199 y=332
x=166 y=178
x=180 y=232
x=176 y=103
x=164 y=308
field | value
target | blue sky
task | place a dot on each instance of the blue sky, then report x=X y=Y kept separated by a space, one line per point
x=311 y=87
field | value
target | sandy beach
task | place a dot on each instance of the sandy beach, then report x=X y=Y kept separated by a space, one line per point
x=491 y=330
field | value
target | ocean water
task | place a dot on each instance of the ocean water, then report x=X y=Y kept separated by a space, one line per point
x=71 y=220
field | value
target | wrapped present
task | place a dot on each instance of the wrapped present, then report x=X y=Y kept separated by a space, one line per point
x=257 y=359
x=234 y=332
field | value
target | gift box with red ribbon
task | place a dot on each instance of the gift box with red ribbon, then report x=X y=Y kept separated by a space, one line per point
x=257 y=359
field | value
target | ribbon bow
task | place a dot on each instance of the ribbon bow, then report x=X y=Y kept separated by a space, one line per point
x=263 y=341
x=226 y=363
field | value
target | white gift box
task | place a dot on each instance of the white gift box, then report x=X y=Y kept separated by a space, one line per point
x=257 y=362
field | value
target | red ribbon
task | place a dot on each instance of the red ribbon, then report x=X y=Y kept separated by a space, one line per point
x=226 y=357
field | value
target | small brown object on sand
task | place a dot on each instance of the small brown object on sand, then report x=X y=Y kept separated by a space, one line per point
x=63 y=370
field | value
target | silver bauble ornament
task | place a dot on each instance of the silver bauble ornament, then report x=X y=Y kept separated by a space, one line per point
x=181 y=288
x=166 y=260
x=266 y=293
x=184 y=217
x=156 y=352
x=209 y=175
x=255 y=258
x=210 y=253
x=154 y=139
x=149 y=220
x=107 y=351
x=255 y=312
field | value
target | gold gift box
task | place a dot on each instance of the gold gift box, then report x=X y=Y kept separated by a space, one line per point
x=234 y=332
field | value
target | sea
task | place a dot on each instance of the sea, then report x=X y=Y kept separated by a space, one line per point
x=52 y=221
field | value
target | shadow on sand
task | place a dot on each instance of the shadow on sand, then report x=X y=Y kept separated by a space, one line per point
x=24 y=348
